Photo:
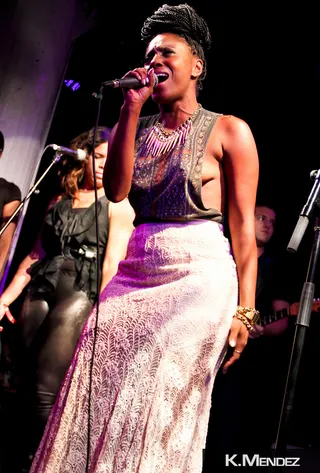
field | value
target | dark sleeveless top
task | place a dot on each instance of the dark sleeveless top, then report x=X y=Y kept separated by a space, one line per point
x=168 y=187
x=8 y=193
x=70 y=234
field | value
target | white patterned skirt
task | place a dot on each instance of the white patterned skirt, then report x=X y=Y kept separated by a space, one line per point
x=161 y=333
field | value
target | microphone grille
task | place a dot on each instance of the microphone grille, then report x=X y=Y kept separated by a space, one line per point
x=81 y=154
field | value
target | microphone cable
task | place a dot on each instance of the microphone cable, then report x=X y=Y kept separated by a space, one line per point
x=99 y=97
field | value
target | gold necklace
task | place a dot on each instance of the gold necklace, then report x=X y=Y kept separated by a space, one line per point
x=160 y=141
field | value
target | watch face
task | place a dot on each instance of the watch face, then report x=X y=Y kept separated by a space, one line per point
x=252 y=315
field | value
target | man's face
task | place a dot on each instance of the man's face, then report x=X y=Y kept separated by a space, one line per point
x=265 y=219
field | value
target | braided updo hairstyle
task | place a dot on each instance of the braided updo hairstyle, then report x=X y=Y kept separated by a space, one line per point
x=183 y=21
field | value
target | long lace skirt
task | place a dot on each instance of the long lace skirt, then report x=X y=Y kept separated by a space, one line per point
x=151 y=352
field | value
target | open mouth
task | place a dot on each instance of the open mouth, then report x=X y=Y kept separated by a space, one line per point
x=162 y=77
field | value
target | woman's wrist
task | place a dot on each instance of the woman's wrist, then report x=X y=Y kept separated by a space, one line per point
x=248 y=315
x=131 y=110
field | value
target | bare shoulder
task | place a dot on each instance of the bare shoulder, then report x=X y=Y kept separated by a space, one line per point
x=10 y=207
x=235 y=134
x=231 y=136
x=232 y=125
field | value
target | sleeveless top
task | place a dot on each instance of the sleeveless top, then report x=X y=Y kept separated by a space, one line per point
x=70 y=234
x=8 y=193
x=168 y=187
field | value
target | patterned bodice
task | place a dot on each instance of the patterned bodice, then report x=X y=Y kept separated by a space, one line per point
x=168 y=187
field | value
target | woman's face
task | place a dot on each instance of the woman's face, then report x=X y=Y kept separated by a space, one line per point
x=176 y=67
x=101 y=152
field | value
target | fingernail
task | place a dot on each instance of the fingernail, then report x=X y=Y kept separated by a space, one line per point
x=232 y=343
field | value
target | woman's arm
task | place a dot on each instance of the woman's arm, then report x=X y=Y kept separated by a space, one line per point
x=15 y=288
x=22 y=276
x=6 y=237
x=20 y=279
x=121 y=217
x=241 y=166
x=118 y=169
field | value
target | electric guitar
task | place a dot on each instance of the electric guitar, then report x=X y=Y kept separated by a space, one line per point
x=293 y=311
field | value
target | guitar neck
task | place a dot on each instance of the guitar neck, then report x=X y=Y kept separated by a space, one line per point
x=293 y=311
x=274 y=316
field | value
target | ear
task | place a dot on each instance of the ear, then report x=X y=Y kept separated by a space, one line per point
x=197 y=68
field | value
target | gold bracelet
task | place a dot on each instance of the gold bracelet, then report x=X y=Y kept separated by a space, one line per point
x=251 y=314
x=244 y=320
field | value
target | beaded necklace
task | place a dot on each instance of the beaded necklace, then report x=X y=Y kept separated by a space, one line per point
x=161 y=141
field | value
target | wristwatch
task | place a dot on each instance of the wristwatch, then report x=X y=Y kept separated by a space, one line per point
x=252 y=315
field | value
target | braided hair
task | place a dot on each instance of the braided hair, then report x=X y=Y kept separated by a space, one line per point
x=183 y=21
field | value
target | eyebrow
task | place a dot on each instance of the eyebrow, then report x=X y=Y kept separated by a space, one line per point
x=260 y=214
x=272 y=219
x=158 y=49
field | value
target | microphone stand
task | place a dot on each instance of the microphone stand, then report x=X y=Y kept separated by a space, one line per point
x=33 y=189
x=303 y=318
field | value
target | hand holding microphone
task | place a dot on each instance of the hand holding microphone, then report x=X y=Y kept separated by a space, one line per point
x=142 y=78
x=128 y=83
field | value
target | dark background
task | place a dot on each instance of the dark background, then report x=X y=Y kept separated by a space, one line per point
x=264 y=68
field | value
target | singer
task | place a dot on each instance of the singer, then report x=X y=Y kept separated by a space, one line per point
x=182 y=295
x=61 y=279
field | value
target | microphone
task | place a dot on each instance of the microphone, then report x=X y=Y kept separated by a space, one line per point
x=305 y=213
x=128 y=83
x=79 y=154
x=315 y=174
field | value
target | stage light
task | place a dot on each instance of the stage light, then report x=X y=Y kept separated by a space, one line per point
x=72 y=84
